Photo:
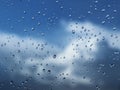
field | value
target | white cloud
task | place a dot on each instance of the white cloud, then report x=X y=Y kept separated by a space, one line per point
x=33 y=55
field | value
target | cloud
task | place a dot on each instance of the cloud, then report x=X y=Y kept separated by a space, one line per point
x=99 y=48
x=81 y=62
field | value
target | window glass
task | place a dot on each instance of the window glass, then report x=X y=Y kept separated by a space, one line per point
x=59 y=45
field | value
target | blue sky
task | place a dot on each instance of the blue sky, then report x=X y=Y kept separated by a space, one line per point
x=17 y=15
x=55 y=44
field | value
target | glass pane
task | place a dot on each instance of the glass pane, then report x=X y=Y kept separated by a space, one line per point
x=59 y=45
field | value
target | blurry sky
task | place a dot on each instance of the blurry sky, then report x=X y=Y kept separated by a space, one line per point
x=59 y=45
x=45 y=16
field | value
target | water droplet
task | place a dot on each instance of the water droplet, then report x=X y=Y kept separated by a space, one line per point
x=33 y=18
x=43 y=69
x=64 y=78
x=112 y=65
x=49 y=71
x=103 y=10
x=24 y=12
x=32 y=28
x=73 y=31
x=89 y=12
x=54 y=56
x=11 y=82
x=57 y=1
x=114 y=11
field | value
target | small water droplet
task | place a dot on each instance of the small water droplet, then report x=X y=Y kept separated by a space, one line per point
x=73 y=31
x=49 y=71
x=54 y=56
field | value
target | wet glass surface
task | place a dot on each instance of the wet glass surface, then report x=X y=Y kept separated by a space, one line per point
x=59 y=45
